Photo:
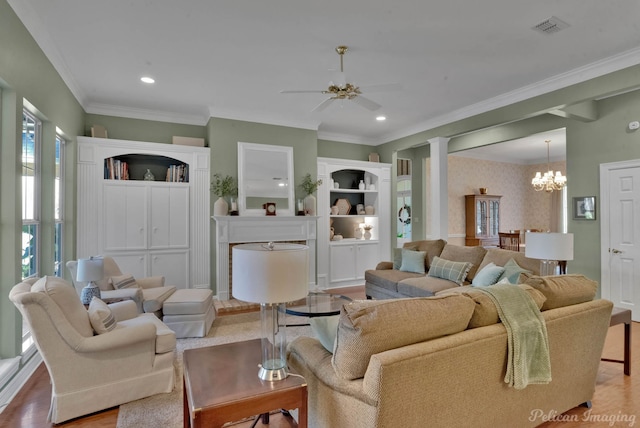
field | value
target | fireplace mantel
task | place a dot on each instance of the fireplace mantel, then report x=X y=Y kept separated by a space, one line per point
x=243 y=229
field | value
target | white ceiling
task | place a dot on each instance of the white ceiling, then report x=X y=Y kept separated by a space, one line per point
x=231 y=59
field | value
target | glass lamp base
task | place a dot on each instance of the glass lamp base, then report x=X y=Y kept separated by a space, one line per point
x=272 y=374
x=274 y=362
x=548 y=267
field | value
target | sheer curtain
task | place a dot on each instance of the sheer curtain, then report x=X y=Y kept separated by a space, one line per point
x=559 y=210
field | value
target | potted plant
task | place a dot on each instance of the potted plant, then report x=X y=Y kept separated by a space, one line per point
x=309 y=187
x=222 y=186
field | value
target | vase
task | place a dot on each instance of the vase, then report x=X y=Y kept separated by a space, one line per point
x=220 y=207
x=357 y=233
x=310 y=205
x=361 y=185
x=148 y=176
x=367 y=234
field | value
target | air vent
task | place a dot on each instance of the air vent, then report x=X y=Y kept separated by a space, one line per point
x=550 y=25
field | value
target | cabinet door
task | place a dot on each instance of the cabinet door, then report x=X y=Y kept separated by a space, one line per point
x=174 y=266
x=125 y=216
x=169 y=217
x=343 y=262
x=367 y=257
x=133 y=263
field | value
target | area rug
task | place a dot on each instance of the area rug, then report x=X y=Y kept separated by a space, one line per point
x=165 y=410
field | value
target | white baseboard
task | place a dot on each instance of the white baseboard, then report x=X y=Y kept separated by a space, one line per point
x=16 y=378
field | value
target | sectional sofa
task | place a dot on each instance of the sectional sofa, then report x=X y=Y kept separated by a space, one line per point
x=441 y=361
x=411 y=273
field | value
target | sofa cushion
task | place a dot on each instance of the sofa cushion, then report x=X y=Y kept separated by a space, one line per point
x=165 y=337
x=564 y=290
x=448 y=269
x=488 y=275
x=512 y=272
x=388 y=279
x=424 y=286
x=123 y=281
x=65 y=296
x=413 y=261
x=473 y=255
x=485 y=311
x=153 y=298
x=325 y=329
x=373 y=326
x=101 y=317
x=500 y=257
x=432 y=248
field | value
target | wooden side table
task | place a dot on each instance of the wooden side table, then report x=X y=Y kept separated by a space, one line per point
x=619 y=316
x=221 y=385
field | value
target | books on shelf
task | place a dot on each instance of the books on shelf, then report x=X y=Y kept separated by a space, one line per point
x=178 y=173
x=115 y=169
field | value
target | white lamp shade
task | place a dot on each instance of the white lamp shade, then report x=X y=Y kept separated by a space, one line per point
x=91 y=269
x=549 y=246
x=263 y=275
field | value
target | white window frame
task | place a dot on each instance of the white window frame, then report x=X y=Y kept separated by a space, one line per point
x=59 y=214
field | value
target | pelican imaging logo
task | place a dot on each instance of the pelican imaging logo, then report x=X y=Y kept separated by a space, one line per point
x=539 y=415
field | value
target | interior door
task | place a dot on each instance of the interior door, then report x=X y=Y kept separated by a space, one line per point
x=620 y=231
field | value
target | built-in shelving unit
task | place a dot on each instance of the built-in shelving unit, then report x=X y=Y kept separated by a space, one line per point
x=364 y=188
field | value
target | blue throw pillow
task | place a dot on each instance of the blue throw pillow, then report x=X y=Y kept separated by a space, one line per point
x=512 y=271
x=446 y=269
x=325 y=329
x=413 y=261
x=488 y=275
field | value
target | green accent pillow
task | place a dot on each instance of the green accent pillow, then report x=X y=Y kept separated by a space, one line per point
x=512 y=271
x=325 y=329
x=446 y=269
x=413 y=261
x=488 y=275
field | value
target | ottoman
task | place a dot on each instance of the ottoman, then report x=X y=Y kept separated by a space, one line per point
x=189 y=312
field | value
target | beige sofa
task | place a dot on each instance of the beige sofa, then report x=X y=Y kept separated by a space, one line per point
x=387 y=282
x=441 y=361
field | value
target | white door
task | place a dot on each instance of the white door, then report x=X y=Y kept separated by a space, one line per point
x=367 y=257
x=174 y=266
x=125 y=216
x=343 y=260
x=620 y=232
x=169 y=216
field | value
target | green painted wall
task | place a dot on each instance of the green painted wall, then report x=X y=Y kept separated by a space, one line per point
x=339 y=150
x=123 y=128
x=26 y=74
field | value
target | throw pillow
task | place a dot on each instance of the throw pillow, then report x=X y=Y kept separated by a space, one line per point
x=512 y=271
x=446 y=269
x=325 y=329
x=101 y=317
x=488 y=275
x=413 y=261
x=124 y=281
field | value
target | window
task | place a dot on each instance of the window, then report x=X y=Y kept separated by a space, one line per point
x=31 y=130
x=30 y=195
x=59 y=208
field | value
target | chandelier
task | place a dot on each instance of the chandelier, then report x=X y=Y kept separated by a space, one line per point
x=548 y=182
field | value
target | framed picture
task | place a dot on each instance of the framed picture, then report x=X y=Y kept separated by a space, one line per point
x=584 y=208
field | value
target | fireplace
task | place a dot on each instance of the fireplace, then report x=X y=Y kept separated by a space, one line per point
x=232 y=230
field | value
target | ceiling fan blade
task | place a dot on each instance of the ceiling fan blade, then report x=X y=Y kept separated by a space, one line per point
x=323 y=105
x=381 y=87
x=366 y=102
x=303 y=92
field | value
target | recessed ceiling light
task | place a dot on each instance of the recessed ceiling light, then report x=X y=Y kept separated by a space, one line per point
x=381 y=118
x=147 y=79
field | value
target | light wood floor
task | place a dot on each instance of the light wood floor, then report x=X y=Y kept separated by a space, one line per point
x=617 y=396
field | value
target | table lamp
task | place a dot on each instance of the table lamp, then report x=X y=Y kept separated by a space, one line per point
x=91 y=269
x=271 y=274
x=549 y=248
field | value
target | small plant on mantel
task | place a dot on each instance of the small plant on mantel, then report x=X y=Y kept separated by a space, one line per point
x=309 y=186
x=223 y=186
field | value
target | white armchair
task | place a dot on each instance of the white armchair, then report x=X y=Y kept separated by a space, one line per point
x=94 y=372
x=149 y=296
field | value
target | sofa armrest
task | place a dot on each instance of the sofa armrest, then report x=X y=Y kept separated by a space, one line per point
x=124 y=310
x=151 y=282
x=384 y=266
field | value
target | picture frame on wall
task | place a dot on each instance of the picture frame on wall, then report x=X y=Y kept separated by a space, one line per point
x=584 y=208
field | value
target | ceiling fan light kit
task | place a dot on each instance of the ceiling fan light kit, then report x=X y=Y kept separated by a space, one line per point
x=340 y=89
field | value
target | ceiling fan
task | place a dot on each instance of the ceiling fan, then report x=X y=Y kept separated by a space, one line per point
x=340 y=89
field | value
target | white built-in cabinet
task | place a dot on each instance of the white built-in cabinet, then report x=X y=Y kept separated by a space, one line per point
x=343 y=262
x=149 y=227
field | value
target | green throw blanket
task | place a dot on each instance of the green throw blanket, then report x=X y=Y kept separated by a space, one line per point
x=528 y=359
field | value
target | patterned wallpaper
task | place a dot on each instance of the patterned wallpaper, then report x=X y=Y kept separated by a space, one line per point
x=521 y=207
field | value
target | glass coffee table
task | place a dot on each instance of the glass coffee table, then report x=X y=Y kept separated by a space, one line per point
x=318 y=305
